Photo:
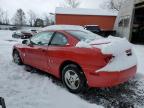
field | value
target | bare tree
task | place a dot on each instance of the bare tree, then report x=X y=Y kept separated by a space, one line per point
x=32 y=17
x=1 y=16
x=19 y=18
x=113 y=4
x=46 y=20
x=71 y=3
x=4 y=17
x=39 y=22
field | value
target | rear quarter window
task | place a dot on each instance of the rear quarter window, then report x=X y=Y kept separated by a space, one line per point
x=84 y=35
x=59 y=40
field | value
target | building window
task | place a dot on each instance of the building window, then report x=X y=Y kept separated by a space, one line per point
x=124 y=22
x=120 y=23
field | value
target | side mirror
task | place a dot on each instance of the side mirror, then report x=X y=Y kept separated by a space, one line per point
x=24 y=41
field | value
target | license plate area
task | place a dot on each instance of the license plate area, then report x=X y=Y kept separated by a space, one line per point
x=129 y=52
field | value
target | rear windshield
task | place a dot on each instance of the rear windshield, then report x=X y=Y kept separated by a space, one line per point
x=84 y=35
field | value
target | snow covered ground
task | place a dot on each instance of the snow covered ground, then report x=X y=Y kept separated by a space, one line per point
x=22 y=89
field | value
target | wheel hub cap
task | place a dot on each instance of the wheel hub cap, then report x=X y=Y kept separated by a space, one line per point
x=72 y=79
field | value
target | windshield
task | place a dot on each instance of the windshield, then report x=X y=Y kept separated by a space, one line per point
x=84 y=35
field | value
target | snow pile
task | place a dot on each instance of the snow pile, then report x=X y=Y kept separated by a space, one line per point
x=83 y=44
x=120 y=63
x=115 y=46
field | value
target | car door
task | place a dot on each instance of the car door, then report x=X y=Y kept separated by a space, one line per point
x=36 y=51
x=56 y=51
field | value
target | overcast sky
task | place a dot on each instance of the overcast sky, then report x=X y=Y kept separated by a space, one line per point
x=43 y=6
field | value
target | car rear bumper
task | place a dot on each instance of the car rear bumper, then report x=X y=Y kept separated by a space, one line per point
x=109 y=79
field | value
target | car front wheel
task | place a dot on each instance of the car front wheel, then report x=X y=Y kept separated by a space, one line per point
x=73 y=78
x=17 y=58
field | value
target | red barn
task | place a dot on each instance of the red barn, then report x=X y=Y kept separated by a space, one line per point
x=78 y=16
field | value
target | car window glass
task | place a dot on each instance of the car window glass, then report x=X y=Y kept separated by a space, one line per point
x=41 y=38
x=59 y=39
x=84 y=35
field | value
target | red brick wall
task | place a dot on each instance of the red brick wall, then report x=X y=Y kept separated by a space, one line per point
x=105 y=22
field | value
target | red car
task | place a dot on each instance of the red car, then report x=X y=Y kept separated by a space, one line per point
x=78 y=57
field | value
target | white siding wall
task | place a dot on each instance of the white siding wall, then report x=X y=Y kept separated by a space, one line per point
x=125 y=11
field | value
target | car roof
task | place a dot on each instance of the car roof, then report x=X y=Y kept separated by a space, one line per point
x=62 y=27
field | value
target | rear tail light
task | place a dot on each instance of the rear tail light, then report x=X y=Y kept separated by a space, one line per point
x=108 y=58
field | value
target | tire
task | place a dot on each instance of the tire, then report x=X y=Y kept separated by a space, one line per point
x=73 y=78
x=16 y=58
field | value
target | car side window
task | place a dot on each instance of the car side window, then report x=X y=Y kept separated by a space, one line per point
x=59 y=40
x=42 y=38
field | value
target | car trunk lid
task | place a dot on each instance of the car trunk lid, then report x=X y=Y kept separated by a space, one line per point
x=123 y=56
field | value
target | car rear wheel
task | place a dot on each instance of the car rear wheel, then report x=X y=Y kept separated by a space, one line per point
x=16 y=58
x=73 y=78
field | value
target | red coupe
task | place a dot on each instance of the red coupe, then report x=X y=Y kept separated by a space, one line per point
x=78 y=57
